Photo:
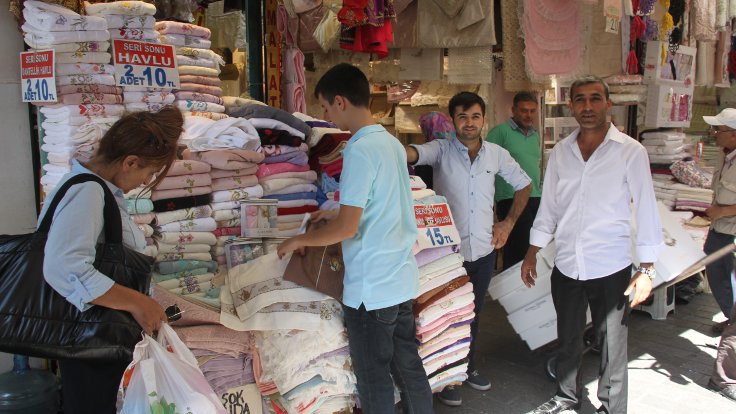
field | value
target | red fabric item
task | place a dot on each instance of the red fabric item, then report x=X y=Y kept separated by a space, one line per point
x=334 y=168
x=353 y=13
x=632 y=63
x=296 y=210
x=227 y=231
x=324 y=147
x=371 y=39
x=337 y=195
x=732 y=63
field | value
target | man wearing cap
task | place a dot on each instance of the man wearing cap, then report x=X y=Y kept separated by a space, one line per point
x=722 y=230
x=722 y=213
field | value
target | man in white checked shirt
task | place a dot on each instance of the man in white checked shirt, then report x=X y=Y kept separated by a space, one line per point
x=592 y=177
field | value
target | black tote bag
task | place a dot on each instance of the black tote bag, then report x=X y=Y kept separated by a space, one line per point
x=37 y=321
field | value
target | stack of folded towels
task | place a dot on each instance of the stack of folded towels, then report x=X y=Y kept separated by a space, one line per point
x=85 y=87
x=183 y=230
x=200 y=90
x=285 y=175
x=140 y=207
x=664 y=147
x=135 y=23
x=443 y=310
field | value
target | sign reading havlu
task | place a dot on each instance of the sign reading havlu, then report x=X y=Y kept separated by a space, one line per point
x=37 y=75
x=144 y=64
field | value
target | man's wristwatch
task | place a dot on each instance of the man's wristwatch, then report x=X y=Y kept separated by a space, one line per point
x=649 y=271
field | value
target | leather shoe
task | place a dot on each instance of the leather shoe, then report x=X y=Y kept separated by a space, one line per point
x=554 y=406
x=728 y=392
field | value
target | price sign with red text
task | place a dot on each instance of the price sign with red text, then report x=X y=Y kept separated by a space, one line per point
x=151 y=65
x=436 y=226
x=37 y=76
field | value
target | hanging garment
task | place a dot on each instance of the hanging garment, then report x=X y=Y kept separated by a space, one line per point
x=455 y=23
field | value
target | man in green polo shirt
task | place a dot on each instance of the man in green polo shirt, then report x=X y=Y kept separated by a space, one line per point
x=521 y=140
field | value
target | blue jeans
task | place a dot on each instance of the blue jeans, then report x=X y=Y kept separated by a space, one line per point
x=382 y=345
x=480 y=272
x=720 y=273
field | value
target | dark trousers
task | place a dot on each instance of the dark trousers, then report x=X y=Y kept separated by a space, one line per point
x=721 y=272
x=383 y=344
x=724 y=373
x=90 y=387
x=480 y=272
x=518 y=242
x=610 y=311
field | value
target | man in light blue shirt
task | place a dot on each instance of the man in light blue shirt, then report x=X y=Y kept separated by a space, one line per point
x=464 y=172
x=377 y=228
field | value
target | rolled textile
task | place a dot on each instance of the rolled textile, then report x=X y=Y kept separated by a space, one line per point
x=115 y=21
x=139 y=206
x=189 y=225
x=265 y=123
x=181 y=203
x=188 y=105
x=131 y=8
x=209 y=115
x=83 y=57
x=56 y=18
x=197 y=96
x=278 y=184
x=166 y=257
x=192 y=237
x=149 y=97
x=167 y=217
x=201 y=88
x=184 y=181
x=169 y=27
x=235 y=222
x=226 y=160
x=187 y=167
x=200 y=80
x=169 y=267
x=198 y=71
x=200 y=61
x=268 y=112
x=180 y=192
x=310 y=176
x=217 y=173
x=90 y=98
x=69 y=89
x=231 y=183
x=85 y=79
x=298 y=158
x=296 y=188
x=185 y=40
x=265 y=170
x=238 y=194
x=146 y=218
x=223 y=215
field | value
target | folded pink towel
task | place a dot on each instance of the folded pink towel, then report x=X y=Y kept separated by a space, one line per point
x=197 y=87
x=306 y=175
x=184 y=181
x=215 y=173
x=185 y=167
x=179 y=192
x=202 y=80
x=90 y=98
x=264 y=170
x=231 y=183
x=70 y=89
x=226 y=159
x=168 y=27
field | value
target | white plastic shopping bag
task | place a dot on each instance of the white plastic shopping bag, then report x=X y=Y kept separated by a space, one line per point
x=164 y=378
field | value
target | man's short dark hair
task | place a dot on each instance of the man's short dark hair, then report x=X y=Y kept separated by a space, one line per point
x=587 y=80
x=466 y=100
x=524 y=97
x=344 y=80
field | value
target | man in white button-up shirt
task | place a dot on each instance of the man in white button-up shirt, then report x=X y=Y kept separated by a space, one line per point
x=592 y=178
x=464 y=171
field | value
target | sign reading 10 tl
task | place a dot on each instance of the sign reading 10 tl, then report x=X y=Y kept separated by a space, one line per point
x=37 y=76
x=144 y=64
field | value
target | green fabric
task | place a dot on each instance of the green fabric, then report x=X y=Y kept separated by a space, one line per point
x=526 y=151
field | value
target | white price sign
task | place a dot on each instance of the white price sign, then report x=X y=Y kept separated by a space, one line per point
x=38 y=76
x=436 y=227
x=150 y=65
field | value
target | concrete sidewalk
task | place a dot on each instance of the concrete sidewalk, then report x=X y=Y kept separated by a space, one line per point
x=669 y=366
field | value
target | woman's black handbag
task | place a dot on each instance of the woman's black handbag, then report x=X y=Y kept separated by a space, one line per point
x=37 y=321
